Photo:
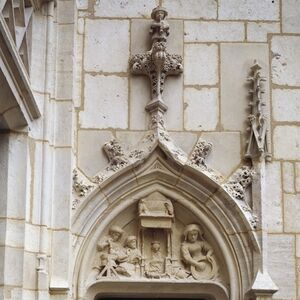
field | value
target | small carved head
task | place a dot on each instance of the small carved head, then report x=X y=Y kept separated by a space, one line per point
x=155 y=246
x=192 y=233
x=159 y=13
x=116 y=233
x=131 y=242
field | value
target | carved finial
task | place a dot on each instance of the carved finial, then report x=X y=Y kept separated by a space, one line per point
x=257 y=142
x=157 y=64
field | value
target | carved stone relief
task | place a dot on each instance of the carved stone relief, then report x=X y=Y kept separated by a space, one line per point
x=150 y=253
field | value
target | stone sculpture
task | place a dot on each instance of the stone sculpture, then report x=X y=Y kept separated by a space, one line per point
x=197 y=254
x=142 y=257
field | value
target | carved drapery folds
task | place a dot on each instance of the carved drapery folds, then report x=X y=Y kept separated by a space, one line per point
x=155 y=250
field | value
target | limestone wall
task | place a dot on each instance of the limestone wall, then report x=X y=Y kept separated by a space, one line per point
x=82 y=85
x=219 y=41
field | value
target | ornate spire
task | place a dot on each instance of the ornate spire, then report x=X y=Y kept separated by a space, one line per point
x=157 y=64
x=257 y=142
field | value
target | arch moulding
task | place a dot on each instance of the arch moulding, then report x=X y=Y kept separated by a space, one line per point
x=154 y=202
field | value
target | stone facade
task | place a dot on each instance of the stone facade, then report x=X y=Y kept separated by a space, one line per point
x=124 y=154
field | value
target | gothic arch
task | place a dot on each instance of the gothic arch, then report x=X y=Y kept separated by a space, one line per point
x=223 y=220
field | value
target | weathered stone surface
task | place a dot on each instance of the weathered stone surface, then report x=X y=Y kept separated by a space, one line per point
x=129 y=139
x=91 y=157
x=185 y=140
x=65 y=12
x=191 y=9
x=236 y=60
x=124 y=9
x=273 y=198
x=63 y=124
x=298 y=245
x=291 y=213
x=258 y=32
x=226 y=151
x=108 y=108
x=248 y=10
x=297 y=171
x=201 y=109
x=290 y=16
x=288 y=177
x=285 y=60
x=82 y=4
x=110 y=40
x=281 y=260
x=201 y=64
x=286 y=105
x=198 y=31
x=287 y=142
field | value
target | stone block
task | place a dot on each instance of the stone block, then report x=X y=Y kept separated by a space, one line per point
x=13 y=266
x=124 y=9
x=286 y=141
x=65 y=11
x=38 y=53
x=290 y=16
x=64 y=86
x=286 y=105
x=109 y=39
x=63 y=123
x=29 y=271
x=91 y=157
x=273 y=198
x=249 y=10
x=226 y=152
x=236 y=60
x=191 y=9
x=285 y=60
x=201 y=64
x=62 y=187
x=105 y=102
x=140 y=95
x=291 y=213
x=201 y=109
x=185 y=140
x=129 y=139
x=14 y=236
x=288 y=177
x=297 y=171
x=201 y=31
x=258 y=32
x=82 y=4
x=281 y=264
x=78 y=85
x=32 y=237
x=298 y=245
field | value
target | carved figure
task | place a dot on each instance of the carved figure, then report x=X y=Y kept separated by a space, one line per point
x=111 y=252
x=169 y=209
x=115 y=154
x=143 y=209
x=155 y=267
x=131 y=262
x=197 y=254
x=159 y=28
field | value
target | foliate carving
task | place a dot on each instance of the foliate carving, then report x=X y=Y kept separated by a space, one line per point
x=80 y=188
x=197 y=254
x=239 y=181
x=200 y=152
x=257 y=142
x=157 y=64
x=150 y=253
x=115 y=154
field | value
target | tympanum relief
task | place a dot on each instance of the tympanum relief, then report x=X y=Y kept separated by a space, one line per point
x=157 y=250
